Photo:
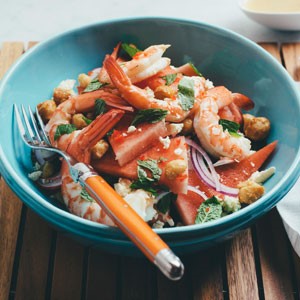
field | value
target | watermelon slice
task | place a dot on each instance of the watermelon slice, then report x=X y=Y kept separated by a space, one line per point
x=127 y=145
x=176 y=150
x=187 y=205
x=234 y=173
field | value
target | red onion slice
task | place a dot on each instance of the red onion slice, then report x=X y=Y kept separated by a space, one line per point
x=203 y=172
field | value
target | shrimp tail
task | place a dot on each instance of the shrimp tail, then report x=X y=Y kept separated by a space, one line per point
x=81 y=144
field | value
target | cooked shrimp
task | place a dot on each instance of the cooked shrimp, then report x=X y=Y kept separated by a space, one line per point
x=143 y=65
x=81 y=103
x=213 y=138
x=144 y=98
x=79 y=144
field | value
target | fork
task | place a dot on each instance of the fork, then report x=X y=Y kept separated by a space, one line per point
x=32 y=132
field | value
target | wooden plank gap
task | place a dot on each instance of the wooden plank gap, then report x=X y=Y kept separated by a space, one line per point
x=14 y=277
x=257 y=264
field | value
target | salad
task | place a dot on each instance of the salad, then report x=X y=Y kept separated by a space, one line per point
x=176 y=148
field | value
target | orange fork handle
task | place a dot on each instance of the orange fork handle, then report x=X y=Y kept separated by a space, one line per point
x=125 y=217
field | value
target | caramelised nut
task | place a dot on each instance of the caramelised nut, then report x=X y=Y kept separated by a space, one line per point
x=250 y=191
x=46 y=109
x=79 y=121
x=175 y=168
x=163 y=92
x=99 y=149
x=84 y=80
x=187 y=126
x=60 y=95
x=256 y=128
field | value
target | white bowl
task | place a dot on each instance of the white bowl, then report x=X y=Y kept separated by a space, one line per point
x=275 y=20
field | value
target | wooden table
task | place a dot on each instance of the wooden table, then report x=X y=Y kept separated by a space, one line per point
x=37 y=262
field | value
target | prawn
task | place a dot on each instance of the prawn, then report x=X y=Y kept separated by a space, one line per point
x=143 y=65
x=79 y=144
x=217 y=141
x=81 y=103
x=145 y=98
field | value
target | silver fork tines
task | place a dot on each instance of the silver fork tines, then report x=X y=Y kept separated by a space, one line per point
x=33 y=134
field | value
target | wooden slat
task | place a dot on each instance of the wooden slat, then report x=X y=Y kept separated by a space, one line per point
x=102 y=277
x=10 y=205
x=272 y=243
x=9 y=224
x=275 y=258
x=68 y=269
x=34 y=258
x=291 y=56
x=138 y=279
x=206 y=273
x=9 y=53
x=241 y=271
x=273 y=49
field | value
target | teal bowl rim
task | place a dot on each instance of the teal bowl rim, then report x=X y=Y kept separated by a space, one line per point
x=53 y=213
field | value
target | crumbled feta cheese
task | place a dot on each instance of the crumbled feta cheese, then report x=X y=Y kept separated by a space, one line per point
x=178 y=151
x=174 y=129
x=165 y=141
x=231 y=204
x=209 y=84
x=142 y=202
x=67 y=84
x=140 y=130
x=123 y=187
x=149 y=92
x=35 y=175
x=262 y=176
x=124 y=134
x=131 y=129
x=158 y=224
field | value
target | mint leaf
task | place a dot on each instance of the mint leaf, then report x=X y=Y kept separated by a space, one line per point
x=87 y=120
x=232 y=127
x=130 y=49
x=186 y=93
x=164 y=203
x=170 y=78
x=100 y=107
x=64 y=129
x=151 y=115
x=85 y=195
x=94 y=85
x=195 y=69
x=144 y=182
x=209 y=210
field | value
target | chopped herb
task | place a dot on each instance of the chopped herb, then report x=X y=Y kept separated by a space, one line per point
x=64 y=129
x=186 y=93
x=151 y=115
x=110 y=132
x=151 y=165
x=170 y=78
x=209 y=210
x=100 y=107
x=85 y=195
x=94 y=85
x=87 y=120
x=164 y=203
x=195 y=69
x=232 y=127
x=144 y=182
x=130 y=49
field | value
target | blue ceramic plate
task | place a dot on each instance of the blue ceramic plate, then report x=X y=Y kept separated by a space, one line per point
x=222 y=56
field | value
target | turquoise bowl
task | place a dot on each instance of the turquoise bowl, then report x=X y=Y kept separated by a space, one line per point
x=221 y=55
